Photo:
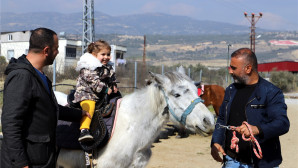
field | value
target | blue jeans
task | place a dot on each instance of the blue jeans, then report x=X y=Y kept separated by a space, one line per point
x=232 y=163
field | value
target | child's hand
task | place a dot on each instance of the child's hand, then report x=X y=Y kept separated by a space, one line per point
x=115 y=89
x=85 y=113
x=110 y=91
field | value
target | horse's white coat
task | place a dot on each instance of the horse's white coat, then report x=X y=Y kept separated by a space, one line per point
x=140 y=118
x=62 y=98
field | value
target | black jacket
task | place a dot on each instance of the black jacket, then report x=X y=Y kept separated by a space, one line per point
x=29 y=118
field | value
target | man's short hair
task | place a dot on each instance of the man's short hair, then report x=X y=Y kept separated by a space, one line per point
x=249 y=56
x=40 y=38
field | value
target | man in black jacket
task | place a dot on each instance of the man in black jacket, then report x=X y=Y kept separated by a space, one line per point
x=256 y=108
x=30 y=109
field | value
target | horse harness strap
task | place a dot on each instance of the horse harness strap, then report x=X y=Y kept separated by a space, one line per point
x=188 y=110
x=252 y=139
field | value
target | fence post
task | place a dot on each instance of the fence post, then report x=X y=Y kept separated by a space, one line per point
x=136 y=69
x=201 y=74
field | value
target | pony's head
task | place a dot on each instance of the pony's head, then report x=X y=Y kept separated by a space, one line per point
x=184 y=105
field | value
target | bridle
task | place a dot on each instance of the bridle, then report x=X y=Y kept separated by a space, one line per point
x=187 y=111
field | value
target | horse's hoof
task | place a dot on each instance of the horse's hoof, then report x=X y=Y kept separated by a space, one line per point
x=171 y=131
x=157 y=140
x=163 y=134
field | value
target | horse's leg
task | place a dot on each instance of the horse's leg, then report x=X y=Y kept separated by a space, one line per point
x=141 y=158
x=219 y=93
x=216 y=108
x=71 y=159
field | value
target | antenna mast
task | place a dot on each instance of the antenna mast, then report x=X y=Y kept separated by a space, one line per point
x=88 y=24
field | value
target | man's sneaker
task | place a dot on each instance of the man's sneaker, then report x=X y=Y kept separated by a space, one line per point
x=85 y=136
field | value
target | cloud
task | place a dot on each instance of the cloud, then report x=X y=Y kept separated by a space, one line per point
x=173 y=9
x=182 y=9
x=151 y=7
x=68 y=6
x=24 y=6
x=273 y=22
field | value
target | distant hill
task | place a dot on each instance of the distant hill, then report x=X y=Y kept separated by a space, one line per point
x=150 y=23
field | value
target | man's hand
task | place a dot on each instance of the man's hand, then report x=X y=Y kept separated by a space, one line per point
x=85 y=113
x=215 y=149
x=244 y=130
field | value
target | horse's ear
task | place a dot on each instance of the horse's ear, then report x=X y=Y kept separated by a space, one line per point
x=157 y=77
x=181 y=70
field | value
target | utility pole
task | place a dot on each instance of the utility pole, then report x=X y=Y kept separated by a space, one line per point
x=144 y=51
x=144 y=66
x=228 y=65
x=253 y=21
x=88 y=24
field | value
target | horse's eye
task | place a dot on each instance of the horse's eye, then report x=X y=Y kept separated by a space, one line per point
x=177 y=95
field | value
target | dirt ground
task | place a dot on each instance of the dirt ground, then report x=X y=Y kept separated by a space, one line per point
x=194 y=151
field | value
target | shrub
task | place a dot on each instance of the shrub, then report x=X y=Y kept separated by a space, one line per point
x=69 y=73
x=286 y=81
x=3 y=65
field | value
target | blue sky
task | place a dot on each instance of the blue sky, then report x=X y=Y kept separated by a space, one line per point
x=277 y=14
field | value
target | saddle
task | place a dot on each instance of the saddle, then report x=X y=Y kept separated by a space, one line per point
x=69 y=132
x=100 y=127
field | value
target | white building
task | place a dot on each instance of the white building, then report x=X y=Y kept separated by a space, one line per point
x=15 y=44
x=117 y=55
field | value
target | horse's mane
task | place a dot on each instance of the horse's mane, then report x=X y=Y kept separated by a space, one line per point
x=152 y=93
x=176 y=77
x=149 y=94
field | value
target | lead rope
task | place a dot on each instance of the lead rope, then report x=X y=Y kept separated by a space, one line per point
x=89 y=159
x=252 y=139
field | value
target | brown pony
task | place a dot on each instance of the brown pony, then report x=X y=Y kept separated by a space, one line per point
x=212 y=95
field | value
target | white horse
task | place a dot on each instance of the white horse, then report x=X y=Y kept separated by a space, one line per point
x=141 y=115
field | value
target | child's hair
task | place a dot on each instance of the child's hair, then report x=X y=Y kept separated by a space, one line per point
x=98 y=45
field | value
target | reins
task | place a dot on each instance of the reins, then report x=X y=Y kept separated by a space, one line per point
x=252 y=139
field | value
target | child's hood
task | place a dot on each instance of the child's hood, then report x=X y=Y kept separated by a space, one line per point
x=88 y=61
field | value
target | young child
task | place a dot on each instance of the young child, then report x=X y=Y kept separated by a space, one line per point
x=95 y=76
